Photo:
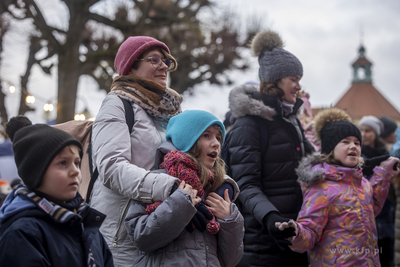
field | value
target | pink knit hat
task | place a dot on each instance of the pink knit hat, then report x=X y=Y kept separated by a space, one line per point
x=131 y=49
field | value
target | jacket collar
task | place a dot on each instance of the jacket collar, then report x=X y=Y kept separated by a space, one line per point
x=247 y=100
x=310 y=172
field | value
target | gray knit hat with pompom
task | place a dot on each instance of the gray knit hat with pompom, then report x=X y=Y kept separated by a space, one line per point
x=275 y=62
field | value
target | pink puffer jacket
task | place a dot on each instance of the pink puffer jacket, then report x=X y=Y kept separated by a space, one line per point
x=337 y=220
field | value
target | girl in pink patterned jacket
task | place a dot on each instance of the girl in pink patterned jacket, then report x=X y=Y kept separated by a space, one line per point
x=337 y=220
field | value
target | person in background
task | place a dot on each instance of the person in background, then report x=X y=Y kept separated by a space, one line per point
x=5 y=189
x=388 y=133
x=8 y=169
x=47 y=222
x=306 y=118
x=395 y=151
x=266 y=143
x=337 y=220
x=371 y=128
x=124 y=159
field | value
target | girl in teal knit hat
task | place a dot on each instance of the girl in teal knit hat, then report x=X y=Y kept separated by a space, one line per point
x=192 y=150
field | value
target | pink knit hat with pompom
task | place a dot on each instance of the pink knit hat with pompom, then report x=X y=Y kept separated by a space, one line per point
x=131 y=49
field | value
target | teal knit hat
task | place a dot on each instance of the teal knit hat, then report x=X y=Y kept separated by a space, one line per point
x=184 y=129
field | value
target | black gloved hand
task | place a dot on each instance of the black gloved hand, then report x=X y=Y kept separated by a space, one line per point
x=220 y=191
x=371 y=163
x=200 y=218
x=269 y=223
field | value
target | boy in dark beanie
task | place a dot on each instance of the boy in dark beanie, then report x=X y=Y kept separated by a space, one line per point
x=46 y=222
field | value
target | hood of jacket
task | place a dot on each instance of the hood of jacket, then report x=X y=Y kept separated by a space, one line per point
x=14 y=204
x=311 y=172
x=247 y=100
x=242 y=103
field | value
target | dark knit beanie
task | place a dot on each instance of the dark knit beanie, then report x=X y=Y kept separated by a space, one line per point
x=389 y=126
x=275 y=62
x=35 y=146
x=331 y=126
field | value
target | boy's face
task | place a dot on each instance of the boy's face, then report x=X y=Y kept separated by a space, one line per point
x=63 y=176
x=210 y=146
x=348 y=151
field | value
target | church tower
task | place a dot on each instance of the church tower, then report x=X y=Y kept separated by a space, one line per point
x=362 y=67
x=363 y=98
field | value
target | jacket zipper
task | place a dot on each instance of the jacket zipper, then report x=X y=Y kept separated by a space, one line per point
x=121 y=219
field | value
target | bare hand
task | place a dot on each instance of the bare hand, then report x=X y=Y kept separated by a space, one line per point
x=192 y=192
x=220 y=207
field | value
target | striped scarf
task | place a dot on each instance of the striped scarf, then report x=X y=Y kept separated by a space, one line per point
x=179 y=165
x=72 y=211
x=158 y=101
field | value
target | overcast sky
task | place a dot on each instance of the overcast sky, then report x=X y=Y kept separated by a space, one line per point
x=324 y=35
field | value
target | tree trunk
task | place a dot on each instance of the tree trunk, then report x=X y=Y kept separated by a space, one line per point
x=68 y=77
x=69 y=64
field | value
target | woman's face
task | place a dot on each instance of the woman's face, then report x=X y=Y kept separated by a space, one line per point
x=368 y=135
x=146 y=70
x=290 y=85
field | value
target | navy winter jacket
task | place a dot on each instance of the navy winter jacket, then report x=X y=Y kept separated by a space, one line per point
x=42 y=233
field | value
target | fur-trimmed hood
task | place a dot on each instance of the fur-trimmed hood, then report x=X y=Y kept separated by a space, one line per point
x=242 y=103
x=310 y=172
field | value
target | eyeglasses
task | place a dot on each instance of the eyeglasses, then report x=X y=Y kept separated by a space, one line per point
x=156 y=61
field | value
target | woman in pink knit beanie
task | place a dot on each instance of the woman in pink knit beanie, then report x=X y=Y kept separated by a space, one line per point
x=123 y=156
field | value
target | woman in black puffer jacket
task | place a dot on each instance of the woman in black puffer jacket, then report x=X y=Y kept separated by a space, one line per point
x=266 y=143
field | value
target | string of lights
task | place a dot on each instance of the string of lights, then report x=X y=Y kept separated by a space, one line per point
x=48 y=107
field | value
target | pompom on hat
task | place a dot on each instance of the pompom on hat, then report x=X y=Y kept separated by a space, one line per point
x=184 y=129
x=131 y=49
x=275 y=62
x=35 y=146
x=331 y=126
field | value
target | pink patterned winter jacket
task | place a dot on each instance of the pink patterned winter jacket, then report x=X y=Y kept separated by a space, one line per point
x=337 y=220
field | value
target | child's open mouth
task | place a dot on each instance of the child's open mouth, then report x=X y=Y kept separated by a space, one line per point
x=353 y=154
x=213 y=155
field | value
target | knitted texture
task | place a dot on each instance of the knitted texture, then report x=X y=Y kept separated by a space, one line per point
x=158 y=101
x=331 y=126
x=372 y=122
x=184 y=129
x=334 y=132
x=179 y=165
x=131 y=49
x=275 y=62
x=35 y=146
x=389 y=126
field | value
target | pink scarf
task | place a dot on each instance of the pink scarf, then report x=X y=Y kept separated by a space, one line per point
x=179 y=165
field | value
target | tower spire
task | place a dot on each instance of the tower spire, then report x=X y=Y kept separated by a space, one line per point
x=362 y=66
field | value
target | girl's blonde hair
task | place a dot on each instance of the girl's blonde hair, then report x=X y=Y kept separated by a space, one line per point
x=219 y=166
